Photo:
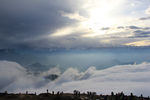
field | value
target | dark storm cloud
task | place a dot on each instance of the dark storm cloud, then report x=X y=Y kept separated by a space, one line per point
x=21 y=20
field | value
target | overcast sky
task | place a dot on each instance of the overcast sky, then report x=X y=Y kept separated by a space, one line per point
x=74 y=24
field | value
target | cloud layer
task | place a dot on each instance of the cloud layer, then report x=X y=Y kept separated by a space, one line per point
x=71 y=24
x=25 y=22
x=127 y=78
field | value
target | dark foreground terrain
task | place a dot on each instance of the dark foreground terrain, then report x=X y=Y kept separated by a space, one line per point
x=70 y=96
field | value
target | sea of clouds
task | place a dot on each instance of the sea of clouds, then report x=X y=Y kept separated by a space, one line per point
x=127 y=78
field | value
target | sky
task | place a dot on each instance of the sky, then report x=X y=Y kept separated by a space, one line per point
x=74 y=24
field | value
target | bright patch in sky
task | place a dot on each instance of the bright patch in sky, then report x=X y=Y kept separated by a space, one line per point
x=109 y=23
x=101 y=14
x=139 y=43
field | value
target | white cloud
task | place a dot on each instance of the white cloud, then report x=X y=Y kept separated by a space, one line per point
x=9 y=71
x=127 y=78
x=75 y=16
x=147 y=11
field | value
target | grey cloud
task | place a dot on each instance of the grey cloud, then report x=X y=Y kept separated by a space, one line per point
x=72 y=41
x=105 y=28
x=134 y=27
x=21 y=20
x=146 y=28
x=144 y=18
x=141 y=34
x=120 y=27
x=137 y=27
